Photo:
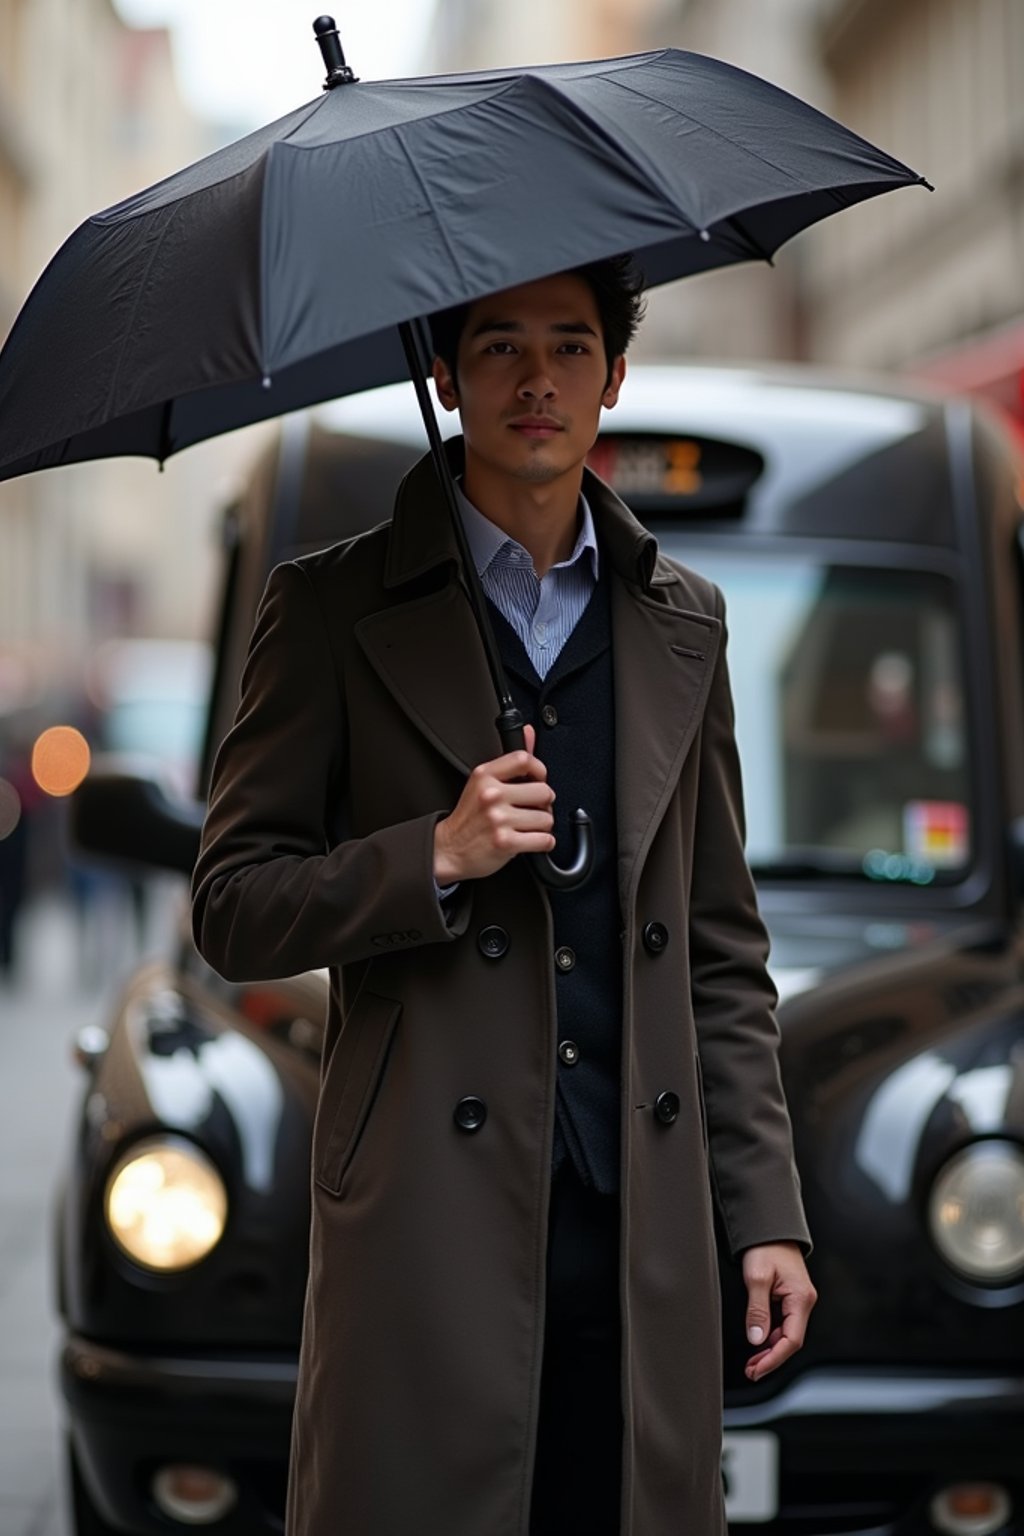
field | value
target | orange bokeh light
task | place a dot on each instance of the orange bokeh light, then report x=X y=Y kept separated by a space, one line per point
x=60 y=760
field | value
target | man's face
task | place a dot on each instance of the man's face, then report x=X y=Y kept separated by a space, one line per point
x=532 y=378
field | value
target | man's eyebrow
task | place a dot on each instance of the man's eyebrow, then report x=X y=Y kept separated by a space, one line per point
x=562 y=328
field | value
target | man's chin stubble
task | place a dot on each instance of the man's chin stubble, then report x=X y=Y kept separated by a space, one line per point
x=536 y=472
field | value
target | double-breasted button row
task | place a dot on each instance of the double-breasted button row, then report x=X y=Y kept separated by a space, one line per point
x=470 y=1113
x=655 y=937
x=666 y=1107
x=492 y=942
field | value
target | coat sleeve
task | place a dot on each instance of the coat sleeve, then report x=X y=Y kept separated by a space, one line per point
x=754 y=1175
x=270 y=897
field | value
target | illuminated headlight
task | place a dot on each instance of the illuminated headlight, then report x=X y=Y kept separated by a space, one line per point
x=166 y=1204
x=976 y=1211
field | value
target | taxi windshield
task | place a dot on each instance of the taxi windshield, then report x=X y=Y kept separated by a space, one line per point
x=850 y=716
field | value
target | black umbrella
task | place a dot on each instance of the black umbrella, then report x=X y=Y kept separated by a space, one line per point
x=298 y=264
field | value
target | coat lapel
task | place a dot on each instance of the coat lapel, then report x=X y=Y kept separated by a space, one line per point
x=428 y=655
x=663 y=659
x=426 y=649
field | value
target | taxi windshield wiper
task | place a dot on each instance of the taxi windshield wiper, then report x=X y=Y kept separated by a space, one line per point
x=810 y=863
x=876 y=866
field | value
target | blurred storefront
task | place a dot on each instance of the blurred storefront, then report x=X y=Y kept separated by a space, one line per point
x=990 y=365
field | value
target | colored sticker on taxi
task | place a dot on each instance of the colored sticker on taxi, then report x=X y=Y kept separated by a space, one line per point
x=936 y=831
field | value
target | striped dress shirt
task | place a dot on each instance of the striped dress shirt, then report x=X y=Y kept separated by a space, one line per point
x=543 y=610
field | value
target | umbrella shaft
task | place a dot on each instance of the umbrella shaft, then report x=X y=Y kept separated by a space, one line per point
x=416 y=341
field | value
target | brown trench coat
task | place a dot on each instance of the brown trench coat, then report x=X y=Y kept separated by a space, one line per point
x=365 y=701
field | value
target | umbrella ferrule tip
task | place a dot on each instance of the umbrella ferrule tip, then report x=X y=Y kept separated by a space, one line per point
x=338 y=72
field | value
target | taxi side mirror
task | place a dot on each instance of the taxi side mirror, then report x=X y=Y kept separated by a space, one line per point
x=131 y=814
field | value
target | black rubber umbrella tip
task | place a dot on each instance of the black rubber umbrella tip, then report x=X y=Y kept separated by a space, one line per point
x=338 y=72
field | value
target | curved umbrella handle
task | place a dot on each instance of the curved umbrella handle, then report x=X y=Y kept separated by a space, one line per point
x=558 y=877
x=564 y=878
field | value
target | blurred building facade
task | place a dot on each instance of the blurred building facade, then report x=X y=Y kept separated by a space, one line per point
x=489 y=34
x=928 y=283
x=89 y=112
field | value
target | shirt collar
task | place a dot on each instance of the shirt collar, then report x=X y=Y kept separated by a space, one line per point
x=486 y=540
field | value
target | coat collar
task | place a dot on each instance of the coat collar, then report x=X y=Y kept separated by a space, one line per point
x=422 y=538
x=487 y=542
x=426 y=651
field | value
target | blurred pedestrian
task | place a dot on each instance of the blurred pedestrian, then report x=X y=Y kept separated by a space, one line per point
x=18 y=798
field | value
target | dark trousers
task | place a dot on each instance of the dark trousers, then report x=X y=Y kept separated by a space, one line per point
x=577 y=1476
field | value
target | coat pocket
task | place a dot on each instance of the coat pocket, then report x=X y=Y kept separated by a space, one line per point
x=352 y=1082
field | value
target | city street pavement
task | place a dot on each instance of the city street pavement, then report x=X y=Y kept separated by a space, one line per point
x=40 y=1014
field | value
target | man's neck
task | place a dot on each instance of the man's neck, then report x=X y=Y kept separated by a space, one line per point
x=543 y=518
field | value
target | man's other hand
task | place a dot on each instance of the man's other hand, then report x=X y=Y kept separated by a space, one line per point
x=496 y=817
x=776 y=1272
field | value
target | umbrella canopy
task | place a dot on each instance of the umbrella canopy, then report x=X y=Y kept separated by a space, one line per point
x=274 y=274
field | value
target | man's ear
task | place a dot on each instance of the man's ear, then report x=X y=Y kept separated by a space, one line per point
x=444 y=384
x=611 y=394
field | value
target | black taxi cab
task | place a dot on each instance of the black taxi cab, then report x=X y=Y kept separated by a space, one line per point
x=870 y=543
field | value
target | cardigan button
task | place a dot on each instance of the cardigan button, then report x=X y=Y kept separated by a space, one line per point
x=666 y=1107
x=655 y=937
x=470 y=1113
x=492 y=942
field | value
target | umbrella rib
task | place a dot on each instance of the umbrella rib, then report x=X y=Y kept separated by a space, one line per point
x=396 y=128
x=718 y=134
x=637 y=161
x=732 y=225
x=744 y=148
x=104 y=216
x=428 y=199
x=130 y=326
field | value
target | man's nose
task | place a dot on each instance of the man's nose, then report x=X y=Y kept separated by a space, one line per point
x=536 y=386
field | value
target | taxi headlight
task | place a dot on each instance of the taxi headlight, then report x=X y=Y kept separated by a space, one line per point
x=165 y=1204
x=976 y=1211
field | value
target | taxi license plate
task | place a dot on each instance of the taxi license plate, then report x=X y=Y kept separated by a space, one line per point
x=750 y=1473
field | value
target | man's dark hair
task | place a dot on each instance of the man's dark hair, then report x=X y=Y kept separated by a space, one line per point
x=617 y=285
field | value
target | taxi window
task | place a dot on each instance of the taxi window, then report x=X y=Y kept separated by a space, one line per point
x=850 y=716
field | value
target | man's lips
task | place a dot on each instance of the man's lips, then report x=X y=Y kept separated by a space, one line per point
x=536 y=426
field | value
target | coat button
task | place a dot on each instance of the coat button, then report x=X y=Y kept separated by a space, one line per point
x=565 y=958
x=470 y=1113
x=666 y=1107
x=655 y=937
x=569 y=1052
x=492 y=942
x=549 y=714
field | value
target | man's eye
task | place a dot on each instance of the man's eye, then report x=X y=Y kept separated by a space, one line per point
x=575 y=348
x=501 y=347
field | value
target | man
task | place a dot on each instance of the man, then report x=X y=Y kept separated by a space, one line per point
x=512 y=1321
